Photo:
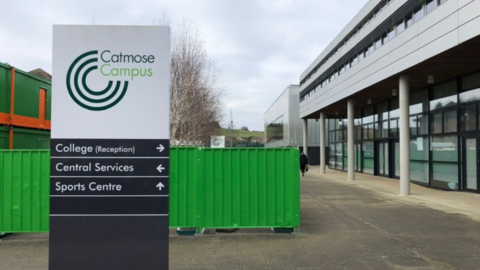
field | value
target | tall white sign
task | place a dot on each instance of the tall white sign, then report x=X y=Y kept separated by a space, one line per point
x=110 y=147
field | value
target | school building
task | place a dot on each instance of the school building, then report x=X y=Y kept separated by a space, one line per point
x=398 y=92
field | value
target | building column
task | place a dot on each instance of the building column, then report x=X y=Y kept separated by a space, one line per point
x=322 y=143
x=404 y=100
x=350 y=138
x=305 y=136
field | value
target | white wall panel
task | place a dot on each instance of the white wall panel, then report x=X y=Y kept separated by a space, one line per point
x=437 y=32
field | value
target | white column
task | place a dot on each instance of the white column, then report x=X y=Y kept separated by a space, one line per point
x=322 y=143
x=404 y=96
x=305 y=136
x=351 y=129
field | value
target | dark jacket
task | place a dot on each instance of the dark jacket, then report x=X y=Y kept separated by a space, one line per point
x=303 y=162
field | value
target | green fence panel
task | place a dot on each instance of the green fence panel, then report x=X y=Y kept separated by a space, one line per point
x=209 y=188
x=251 y=188
x=185 y=192
x=24 y=191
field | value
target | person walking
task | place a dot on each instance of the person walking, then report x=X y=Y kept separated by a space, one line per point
x=303 y=163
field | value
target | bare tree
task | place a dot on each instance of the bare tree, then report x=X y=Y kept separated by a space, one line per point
x=195 y=92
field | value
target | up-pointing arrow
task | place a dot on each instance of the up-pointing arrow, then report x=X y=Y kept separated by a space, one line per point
x=160 y=186
x=160 y=148
x=160 y=168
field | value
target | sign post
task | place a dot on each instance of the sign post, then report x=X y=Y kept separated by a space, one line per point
x=110 y=148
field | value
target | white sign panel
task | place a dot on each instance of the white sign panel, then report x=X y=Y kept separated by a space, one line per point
x=217 y=142
x=108 y=82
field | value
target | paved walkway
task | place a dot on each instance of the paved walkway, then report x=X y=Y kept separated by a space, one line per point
x=357 y=225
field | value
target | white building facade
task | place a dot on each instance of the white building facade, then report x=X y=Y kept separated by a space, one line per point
x=284 y=128
x=400 y=87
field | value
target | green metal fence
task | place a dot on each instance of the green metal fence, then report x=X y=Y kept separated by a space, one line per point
x=209 y=188
x=24 y=190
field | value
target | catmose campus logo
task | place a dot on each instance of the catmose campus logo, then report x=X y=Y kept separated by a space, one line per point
x=113 y=93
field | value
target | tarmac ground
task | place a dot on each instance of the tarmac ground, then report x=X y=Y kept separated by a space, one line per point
x=363 y=224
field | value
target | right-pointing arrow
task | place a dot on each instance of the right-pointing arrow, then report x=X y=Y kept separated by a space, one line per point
x=160 y=168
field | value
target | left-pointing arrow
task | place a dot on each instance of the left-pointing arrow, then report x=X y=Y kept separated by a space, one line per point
x=160 y=168
x=160 y=186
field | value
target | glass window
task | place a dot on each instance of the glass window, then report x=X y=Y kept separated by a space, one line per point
x=384 y=129
x=370 y=49
x=360 y=56
x=275 y=130
x=419 y=149
x=436 y=123
x=385 y=38
x=442 y=1
x=378 y=43
x=394 y=109
x=339 y=156
x=470 y=88
x=431 y=5
x=368 y=157
x=450 y=121
x=445 y=175
x=371 y=131
x=331 y=149
x=444 y=148
x=422 y=124
x=382 y=111
x=419 y=171
x=400 y=26
x=418 y=12
x=419 y=102
x=391 y=32
x=468 y=118
x=368 y=115
x=444 y=96
x=413 y=126
x=394 y=128
x=409 y=19
x=345 y=157
x=358 y=133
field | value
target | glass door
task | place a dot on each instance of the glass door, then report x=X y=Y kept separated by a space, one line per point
x=471 y=163
x=383 y=159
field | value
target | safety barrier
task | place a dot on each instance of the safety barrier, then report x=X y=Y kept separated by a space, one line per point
x=209 y=188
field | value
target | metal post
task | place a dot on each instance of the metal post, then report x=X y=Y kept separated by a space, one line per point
x=404 y=96
x=305 y=136
x=350 y=130
x=322 y=143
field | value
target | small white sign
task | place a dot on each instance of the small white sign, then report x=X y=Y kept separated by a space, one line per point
x=217 y=142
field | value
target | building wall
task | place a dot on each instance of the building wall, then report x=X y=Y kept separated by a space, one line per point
x=450 y=24
x=286 y=107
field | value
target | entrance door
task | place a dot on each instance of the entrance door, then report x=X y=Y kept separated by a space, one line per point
x=471 y=155
x=383 y=159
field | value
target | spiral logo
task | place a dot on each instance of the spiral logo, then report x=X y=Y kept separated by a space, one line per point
x=94 y=100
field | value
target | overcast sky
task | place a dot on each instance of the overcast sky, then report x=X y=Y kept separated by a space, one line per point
x=260 y=46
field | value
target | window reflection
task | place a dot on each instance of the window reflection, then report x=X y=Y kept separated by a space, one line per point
x=468 y=118
x=444 y=96
x=275 y=130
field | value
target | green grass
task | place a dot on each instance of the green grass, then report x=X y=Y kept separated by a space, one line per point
x=242 y=133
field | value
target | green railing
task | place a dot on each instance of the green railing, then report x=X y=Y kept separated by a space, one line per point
x=209 y=188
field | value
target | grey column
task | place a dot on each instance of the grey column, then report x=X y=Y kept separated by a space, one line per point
x=305 y=136
x=404 y=100
x=322 y=143
x=350 y=130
